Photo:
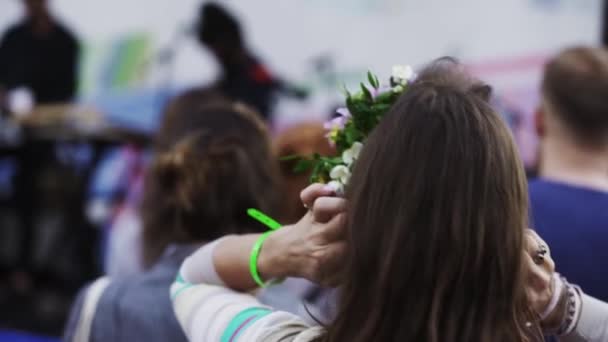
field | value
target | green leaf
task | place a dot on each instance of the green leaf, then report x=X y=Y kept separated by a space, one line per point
x=303 y=165
x=388 y=98
x=366 y=92
x=314 y=177
x=373 y=80
x=336 y=160
x=345 y=91
x=290 y=157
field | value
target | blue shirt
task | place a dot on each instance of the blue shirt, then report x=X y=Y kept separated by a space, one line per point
x=574 y=222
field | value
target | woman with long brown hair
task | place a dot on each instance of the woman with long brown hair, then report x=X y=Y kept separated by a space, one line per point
x=434 y=245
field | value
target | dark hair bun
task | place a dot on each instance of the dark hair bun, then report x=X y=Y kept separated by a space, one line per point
x=168 y=168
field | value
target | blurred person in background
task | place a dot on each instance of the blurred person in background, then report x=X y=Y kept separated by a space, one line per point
x=39 y=54
x=122 y=252
x=213 y=161
x=304 y=140
x=243 y=77
x=569 y=200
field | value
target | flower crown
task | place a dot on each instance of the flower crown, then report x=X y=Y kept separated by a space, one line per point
x=348 y=131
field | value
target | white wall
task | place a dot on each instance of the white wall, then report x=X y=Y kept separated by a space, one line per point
x=505 y=41
x=359 y=34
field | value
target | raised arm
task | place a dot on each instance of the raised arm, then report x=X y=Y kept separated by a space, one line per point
x=205 y=301
x=564 y=309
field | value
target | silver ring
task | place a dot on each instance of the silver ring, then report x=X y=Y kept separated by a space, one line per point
x=541 y=252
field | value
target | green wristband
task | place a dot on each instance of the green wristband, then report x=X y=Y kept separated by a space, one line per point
x=263 y=219
x=253 y=259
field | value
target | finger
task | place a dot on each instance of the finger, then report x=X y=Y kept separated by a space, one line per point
x=539 y=278
x=549 y=264
x=325 y=208
x=534 y=235
x=531 y=243
x=538 y=250
x=334 y=230
x=314 y=191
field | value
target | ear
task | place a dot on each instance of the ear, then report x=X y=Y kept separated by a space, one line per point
x=539 y=121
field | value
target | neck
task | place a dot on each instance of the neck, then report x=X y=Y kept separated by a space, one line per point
x=41 y=24
x=566 y=162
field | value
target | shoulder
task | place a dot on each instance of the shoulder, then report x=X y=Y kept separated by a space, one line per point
x=85 y=308
x=541 y=190
x=74 y=316
x=66 y=34
x=14 y=32
x=558 y=191
x=127 y=292
x=536 y=184
x=140 y=302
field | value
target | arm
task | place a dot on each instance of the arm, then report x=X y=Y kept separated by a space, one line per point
x=574 y=315
x=292 y=251
x=593 y=323
x=208 y=311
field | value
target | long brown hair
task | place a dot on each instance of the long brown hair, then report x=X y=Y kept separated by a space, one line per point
x=213 y=161
x=438 y=207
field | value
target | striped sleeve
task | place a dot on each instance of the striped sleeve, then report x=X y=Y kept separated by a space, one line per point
x=215 y=313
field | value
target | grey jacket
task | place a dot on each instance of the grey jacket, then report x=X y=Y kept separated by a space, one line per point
x=136 y=308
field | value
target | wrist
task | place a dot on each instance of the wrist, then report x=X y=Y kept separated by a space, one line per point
x=554 y=320
x=272 y=261
x=565 y=317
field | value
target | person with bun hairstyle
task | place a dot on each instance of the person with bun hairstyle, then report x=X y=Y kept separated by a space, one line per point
x=569 y=201
x=212 y=161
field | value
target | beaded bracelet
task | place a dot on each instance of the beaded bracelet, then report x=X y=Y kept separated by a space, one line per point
x=572 y=295
x=573 y=311
x=557 y=293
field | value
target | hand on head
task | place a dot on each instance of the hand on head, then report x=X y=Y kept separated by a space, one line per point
x=545 y=290
x=314 y=247
x=317 y=246
x=540 y=271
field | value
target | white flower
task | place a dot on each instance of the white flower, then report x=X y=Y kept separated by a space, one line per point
x=403 y=73
x=350 y=155
x=340 y=173
x=337 y=187
x=398 y=89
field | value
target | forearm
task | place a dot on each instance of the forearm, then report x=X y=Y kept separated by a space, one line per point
x=231 y=260
x=593 y=323
x=226 y=262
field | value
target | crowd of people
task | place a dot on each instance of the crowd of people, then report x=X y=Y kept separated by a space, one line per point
x=442 y=251
x=438 y=235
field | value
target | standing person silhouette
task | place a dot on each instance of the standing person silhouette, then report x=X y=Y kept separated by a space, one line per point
x=243 y=77
x=39 y=53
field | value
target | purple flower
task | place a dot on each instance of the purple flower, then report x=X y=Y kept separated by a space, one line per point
x=344 y=112
x=337 y=123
